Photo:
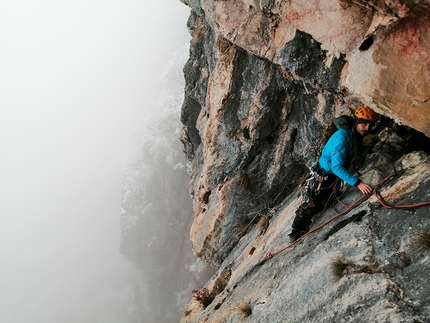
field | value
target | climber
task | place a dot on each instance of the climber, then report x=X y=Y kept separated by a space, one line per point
x=336 y=158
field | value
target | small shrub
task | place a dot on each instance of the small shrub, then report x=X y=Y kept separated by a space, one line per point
x=338 y=266
x=421 y=240
x=203 y=296
x=206 y=297
x=263 y=224
x=245 y=308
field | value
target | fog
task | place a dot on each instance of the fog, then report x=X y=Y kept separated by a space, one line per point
x=76 y=79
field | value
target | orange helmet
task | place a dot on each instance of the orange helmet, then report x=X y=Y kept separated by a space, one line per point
x=366 y=113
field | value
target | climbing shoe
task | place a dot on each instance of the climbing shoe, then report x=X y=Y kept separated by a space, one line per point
x=296 y=234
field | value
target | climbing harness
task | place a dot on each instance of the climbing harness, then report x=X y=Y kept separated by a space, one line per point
x=314 y=184
x=363 y=198
x=317 y=177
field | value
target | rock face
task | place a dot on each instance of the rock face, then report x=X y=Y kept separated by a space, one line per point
x=385 y=45
x=155 y=217
x=361 y=267
x=263 y=83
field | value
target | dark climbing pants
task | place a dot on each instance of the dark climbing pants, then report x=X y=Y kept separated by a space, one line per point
x=314 y=203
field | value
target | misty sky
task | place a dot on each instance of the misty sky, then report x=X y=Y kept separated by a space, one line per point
x=76 y=79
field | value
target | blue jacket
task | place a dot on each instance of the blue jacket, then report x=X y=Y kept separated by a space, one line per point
x=338 y=152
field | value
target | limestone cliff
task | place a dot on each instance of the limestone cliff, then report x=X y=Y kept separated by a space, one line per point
x=156 y=214
x=264 y=80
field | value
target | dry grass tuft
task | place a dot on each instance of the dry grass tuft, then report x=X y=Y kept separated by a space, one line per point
x=421 y=240
x=339 y=266
x=263 y=224
x=245 y=308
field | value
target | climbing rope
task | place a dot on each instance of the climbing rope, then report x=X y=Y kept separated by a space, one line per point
x=338 y=199
x=270 y=255
x=378 y=196
x=403 y=207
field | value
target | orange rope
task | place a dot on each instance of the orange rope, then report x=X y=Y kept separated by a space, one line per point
x=341 y=203
x=387 y=206
x=378 y=196
x=270 y=255
x=356 y=203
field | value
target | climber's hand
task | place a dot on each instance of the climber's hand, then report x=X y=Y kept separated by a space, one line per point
x=364 y=188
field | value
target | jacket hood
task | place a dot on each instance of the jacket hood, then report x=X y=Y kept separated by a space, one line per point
x=344 y=122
